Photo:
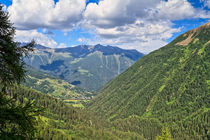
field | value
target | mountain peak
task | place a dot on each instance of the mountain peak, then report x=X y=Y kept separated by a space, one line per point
x=194 y=35
x=86 y=66
x=82 y=51
x=198 y=30
x=206 y=25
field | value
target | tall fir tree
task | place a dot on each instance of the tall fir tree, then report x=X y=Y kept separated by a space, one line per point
x=17 y=120
x=166 y=135
x=11 y=54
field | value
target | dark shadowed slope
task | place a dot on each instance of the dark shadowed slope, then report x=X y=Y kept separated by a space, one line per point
x=85 y=66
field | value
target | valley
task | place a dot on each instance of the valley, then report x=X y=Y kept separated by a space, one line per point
x=76 y=74
x=54 y=87
x=166 y=88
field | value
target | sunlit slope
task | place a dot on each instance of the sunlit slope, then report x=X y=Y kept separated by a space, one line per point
x=171 y=83
x=54 y=86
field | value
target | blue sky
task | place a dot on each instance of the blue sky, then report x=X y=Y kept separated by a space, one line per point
x=137 y=24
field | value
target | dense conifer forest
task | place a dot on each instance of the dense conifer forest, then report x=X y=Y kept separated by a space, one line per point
x=163 y=96
x=168 y=87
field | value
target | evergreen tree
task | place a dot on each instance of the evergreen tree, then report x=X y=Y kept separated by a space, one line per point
x=11 y=55
x=165 y=135
x=17 y=120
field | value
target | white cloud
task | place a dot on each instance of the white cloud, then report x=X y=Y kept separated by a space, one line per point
x=144 y=25
x=138 y=24
x=145 y=47
x=27 y=36
x=175 y=9
x=117 y=13
x=34 y=14
x=62 y=45
x=178 y=10
x=143 y=36
x=206 y=3
x=80 y=39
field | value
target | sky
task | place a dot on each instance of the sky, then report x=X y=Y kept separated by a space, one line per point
x=144 y=25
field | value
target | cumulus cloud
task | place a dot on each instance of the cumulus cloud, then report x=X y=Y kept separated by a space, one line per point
x=117 y=13
x=34 y=14
x=28 y=35
x=175 y=9
x=139 y=24
x=161 y=30
x=144 y=25
x=178 y=10
x=141 y=35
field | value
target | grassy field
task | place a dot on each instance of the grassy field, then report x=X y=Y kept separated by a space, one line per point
x=76 y=103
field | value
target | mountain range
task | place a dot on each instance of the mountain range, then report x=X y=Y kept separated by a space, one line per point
x=85 y=66
x=168 y=90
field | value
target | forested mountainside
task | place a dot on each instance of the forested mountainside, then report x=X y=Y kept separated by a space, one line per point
x=163 y=96
x=59 y=121
x=85 y=66
x=169 y=87
x=56 y=87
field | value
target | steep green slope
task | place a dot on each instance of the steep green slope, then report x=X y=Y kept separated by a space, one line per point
x=53 y=86
x=60 y=121
x=170 y=84
x=89 y=67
